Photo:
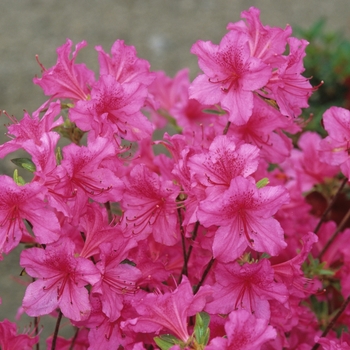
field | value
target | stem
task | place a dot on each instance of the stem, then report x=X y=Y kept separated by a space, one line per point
x=53 y=346
x=334 y=320
x=36 y=323
x=71 y=347
x=188 y=255
x=330 y=206
x=334 y=235
x=109 y=211
x=36 y=331
x=226 y=128
x=204 y=276
x=184 y=268
x=194 y=236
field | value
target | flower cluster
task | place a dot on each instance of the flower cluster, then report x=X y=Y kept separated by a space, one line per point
x=209 y=244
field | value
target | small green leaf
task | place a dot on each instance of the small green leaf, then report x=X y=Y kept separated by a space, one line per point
x=24 y=163
x=265 y=256
x=166 y=341
x=67 y=105
x=213 y=111
x=204 y=319
x=18 y=179
x=262 y=183
x=326 y=272
x=59 y=156
x=128 y=262
x=201 y=330
x=316 y=268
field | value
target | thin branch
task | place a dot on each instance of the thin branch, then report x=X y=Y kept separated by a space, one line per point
x=335 y=234
x=334 y=320
x=226 y=128
x=194 y=236
x=204 y=276
x=74 y=339
x=330 y=206
x=54 y=339
x=184 y=268
x=109 y=211
x=36 y=330
x=188 y=255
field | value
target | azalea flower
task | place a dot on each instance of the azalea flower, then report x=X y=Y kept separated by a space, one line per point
x=117 y=279
x=150 y=206
x=230 y=76
x=113 y=108
x=247 y=287
x=287 y=86
x=243 y=332
x=124 y=65
x=334 y=149
x=67 y=79
x=24 y=202
x=244 y=214
x=265 y=42
x=169 y=312
x=10 y=340
x=60 y=280
x=32 y=128
x=86 y=174
x=224 y=161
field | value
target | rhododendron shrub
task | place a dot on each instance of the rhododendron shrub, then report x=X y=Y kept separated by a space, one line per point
x=234 y=236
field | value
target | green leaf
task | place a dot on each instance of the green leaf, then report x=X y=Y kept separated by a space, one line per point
x=18 y=179
x=213 y=111
x=326 y=272
x=166 y=341
x=201 y=330
x=316 y=268
x=24 y=163
x=128 y=262
x=262 y=183
x=67 y=105
x=265 y=256
x=59 y=156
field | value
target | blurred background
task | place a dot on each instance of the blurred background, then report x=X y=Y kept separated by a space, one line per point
x=163 y=32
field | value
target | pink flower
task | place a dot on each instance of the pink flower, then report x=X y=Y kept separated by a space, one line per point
x=114 y=108
x=24 y=202
x=81 y=342
x=169 y=312
x=94 y=224
x=67 y=79
x=332 y=344
x=247 y=287
x=150 y=206
x=263 y=129
x=32 y=129
x=244 y=214
x=85 y=171
x=223 y=162
x=9 y=340
x=124 y=65
x=117 y=279
x=104 y=333
x=265 y=42
x=310 y=170
x=287 y=86
x=334 y=149
x=290 y=273
x=61 y=280
x=231 y=75
x=243 y=332
x=157 y=262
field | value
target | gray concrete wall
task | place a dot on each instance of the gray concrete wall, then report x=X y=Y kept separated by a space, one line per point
x=163 y=32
